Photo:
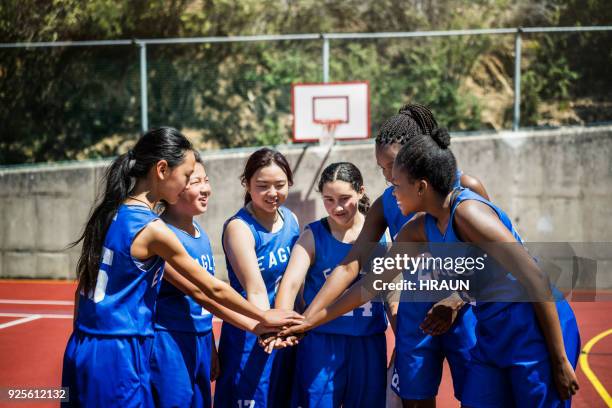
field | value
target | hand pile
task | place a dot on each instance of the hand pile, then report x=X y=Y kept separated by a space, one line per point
x=273 y=335
x=271 y=340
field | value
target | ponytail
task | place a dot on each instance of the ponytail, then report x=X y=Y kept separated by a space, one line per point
x=429 y=157
x=364 y=204
x=117 y=182
x=412 y=120
x=158 y=144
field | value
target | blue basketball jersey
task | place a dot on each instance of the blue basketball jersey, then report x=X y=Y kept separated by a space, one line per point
x=510 y=360
x=250 y=377
x=365 y=320
x=498 y=282
x=123 y=301
x=176 y=311
x=393 y=216
x=419 y=357
x=272 y=249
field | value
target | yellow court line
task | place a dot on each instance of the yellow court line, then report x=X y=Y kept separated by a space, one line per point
x=584 y=364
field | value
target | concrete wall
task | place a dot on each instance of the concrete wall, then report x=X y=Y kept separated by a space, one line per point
x=556 y=185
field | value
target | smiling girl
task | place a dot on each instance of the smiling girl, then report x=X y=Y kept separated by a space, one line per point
x=343 y=362
x=257 y=242
x=184 y=349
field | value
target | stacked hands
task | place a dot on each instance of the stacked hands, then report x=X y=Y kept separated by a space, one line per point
x=438 y=321
x=272 y=337
x=276 y=340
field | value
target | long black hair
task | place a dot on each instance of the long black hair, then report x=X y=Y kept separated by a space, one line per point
x=263 y=158
x=429 y=157
x=412 y=120
x=345 y=171
x=159 y=144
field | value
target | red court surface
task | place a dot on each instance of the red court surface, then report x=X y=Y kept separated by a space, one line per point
x=36 y=321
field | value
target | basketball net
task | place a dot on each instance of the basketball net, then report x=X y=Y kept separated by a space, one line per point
x=328 y=137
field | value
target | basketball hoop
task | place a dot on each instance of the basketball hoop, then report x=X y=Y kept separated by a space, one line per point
x=327 y=138
x=318 y=109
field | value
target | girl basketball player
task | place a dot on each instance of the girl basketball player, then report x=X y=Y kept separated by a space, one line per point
x=106 y=362
x=525 y=353
x=257 y=242
x=341 y=363
x=184 y=348
x=418 y=356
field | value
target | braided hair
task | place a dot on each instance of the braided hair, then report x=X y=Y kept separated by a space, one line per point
x=412 y=119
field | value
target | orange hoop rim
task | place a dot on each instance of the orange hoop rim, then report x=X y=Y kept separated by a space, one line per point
x=330 y=124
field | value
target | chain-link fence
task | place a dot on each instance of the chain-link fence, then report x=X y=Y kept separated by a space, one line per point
x=83 y=99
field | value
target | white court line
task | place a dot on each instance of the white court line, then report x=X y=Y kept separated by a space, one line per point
x=48 y=302
x=40 y=315
x=19 y=321
x=36 y=302
x=56 y=315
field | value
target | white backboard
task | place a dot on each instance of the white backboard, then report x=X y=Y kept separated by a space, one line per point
x=346 y=103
